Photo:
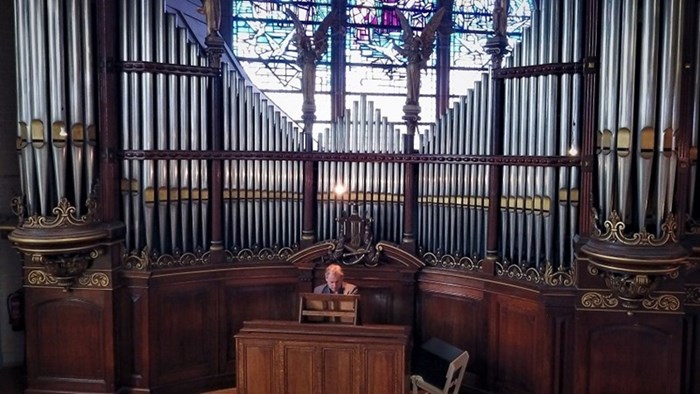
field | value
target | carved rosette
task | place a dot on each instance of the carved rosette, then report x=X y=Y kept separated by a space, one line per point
x=60 y=248
x=632 y=266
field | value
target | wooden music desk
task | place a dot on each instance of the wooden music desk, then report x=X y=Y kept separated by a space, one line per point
x=291 y=357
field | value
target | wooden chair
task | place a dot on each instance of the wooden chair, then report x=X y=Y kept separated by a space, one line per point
x=455 y=374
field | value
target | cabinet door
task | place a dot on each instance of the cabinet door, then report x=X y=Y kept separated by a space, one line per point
x=384 y=369
x=255 y=372
x=321 y=368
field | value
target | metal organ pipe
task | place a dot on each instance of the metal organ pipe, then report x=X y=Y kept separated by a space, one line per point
x=146 y=132
x=56 y=112
x=162 y=108
x=665 y=134
x=577 y=41
x=646 y=121
x=40 y=137
x=173 y=140
x=625 y=121
x=24 y=114
x=76 y=100
x=541 y=120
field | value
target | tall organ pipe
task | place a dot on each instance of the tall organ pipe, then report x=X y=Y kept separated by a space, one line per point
x=90 y=126
x=76 y=99
x=161 y=127
x=24 y=113
x=146 y=132
x=647 y=105
x=625 y=121
x=665 y=134
x=40 y=136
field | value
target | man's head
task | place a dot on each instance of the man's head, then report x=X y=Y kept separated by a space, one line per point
x=334 y=277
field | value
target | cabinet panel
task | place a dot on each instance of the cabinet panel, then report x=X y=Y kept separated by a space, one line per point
x=322 y=358
x=298 y=368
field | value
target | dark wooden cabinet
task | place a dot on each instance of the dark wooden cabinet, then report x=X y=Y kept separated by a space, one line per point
x=291 y=357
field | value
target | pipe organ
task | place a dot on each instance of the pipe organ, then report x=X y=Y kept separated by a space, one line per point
x=639 y=112
x=56 y=135
x=166 y=200
x=453 y=198
x=375 y=187
x=542 y=119
x=551 y=201
x=262 y=198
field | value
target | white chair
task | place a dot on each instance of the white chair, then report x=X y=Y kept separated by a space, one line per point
x=455 y=374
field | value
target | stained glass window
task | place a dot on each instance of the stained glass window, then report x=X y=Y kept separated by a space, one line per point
x=262 y=41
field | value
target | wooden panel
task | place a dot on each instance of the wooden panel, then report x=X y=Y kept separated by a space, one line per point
x=69 y=342
x=299 y=368
x=241 y=303
x=133 y=335
x=185 y=321
x=515 y=343
x=377 y=306
x=256 y=375
x=692 y=346
x=338 y=372
x=69 y=329
x=617 y=352
x=459 y=321
x=382 y=362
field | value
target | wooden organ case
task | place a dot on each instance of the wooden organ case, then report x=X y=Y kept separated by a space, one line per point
x=291 y=357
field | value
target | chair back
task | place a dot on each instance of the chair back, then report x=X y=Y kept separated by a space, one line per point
x=455 y=373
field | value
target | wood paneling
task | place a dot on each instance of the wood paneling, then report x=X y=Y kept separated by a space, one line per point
x=515 y=344
x=70 y=346
x=176 y=330
x=512 y=337
x=242 y=303
x=618 y=352
x=185 y=318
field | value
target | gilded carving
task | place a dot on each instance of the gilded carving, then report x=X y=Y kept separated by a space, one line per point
x=593 y=270
x=64 y=215
x=450 y=261
x=615 y=227
x=95 y=279
x=39 y=278
x=260 y=254
x=42 y=278
x=153 y=260
x=592 y=299
x=560 y=276
x=515 y=271
x=65 y=268
x=665 y=302
x=630 y=287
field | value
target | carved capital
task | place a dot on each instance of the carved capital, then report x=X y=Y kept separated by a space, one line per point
x=64 y=245
x=633 y=264
x=66 y=268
